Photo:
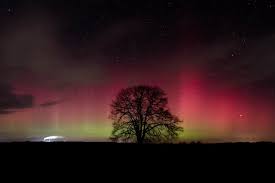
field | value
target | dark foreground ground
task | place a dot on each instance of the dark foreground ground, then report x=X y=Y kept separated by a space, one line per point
x=111 y=149
x=133 y=145
x=124 y=158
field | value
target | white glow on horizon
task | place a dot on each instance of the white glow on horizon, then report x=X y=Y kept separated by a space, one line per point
x=53 y=138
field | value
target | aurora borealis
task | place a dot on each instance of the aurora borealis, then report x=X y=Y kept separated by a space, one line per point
x=62 y=63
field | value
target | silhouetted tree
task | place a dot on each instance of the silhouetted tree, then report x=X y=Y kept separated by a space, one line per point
x=141 y=115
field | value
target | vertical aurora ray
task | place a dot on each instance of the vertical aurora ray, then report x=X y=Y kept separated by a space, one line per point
x=222 y=114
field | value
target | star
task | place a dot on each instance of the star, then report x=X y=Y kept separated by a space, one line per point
x=10 y=10
x=170 y=4
x=117 y=59
x=148 y=21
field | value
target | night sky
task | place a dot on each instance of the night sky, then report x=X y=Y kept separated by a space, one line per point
x=63 y=62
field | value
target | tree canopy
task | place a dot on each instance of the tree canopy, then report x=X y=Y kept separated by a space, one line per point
x=140 y=114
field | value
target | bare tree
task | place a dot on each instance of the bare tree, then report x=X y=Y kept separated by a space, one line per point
x=141 y=115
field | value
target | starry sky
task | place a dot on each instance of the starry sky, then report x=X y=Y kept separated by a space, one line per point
x=63 y=62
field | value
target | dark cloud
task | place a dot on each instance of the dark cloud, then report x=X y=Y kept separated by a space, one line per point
x=51 y=103
x=6 y=112
x=32 y=51
x=11 y=102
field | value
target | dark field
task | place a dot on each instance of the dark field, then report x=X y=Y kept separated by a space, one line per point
x=112 y=149
x=111 y=156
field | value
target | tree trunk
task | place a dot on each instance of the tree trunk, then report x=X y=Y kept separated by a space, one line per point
x=139 y=139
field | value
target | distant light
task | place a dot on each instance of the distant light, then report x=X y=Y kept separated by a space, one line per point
x=54 y=139
x=241 y=115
